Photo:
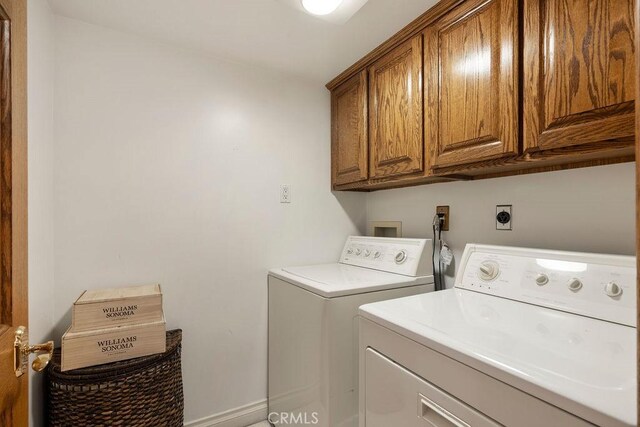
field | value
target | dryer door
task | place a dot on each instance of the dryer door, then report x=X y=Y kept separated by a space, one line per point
x=396 y=397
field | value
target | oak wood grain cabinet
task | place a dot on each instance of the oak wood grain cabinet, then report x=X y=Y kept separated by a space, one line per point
x=485 y=88
x=395 y=112
x=579 y=73
x=471 y=83
x=349 y=143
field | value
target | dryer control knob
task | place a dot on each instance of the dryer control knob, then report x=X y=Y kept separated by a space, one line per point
x=367 y=252
x=401 y=257
x=574 y=284
x=612 y=289
x=376 y=254
x=542 y=279
x=488 y=270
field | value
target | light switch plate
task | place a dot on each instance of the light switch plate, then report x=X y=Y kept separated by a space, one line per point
x=285 y=193
x=504 y=217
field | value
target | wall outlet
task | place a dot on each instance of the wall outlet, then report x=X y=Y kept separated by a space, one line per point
x=285 y=193
x=504 y=217
x=444 y=211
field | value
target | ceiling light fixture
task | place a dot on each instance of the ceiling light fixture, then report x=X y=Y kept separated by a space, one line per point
x=321 y=7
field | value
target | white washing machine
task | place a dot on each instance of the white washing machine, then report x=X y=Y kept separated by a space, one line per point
x=313 y=325
x=526 y=338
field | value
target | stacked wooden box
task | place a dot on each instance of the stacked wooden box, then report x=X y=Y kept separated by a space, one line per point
x=114 y=324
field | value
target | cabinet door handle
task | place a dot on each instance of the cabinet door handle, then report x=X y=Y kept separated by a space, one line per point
x=433 y=413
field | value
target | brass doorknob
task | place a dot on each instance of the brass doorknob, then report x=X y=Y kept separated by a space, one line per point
x=22 y=350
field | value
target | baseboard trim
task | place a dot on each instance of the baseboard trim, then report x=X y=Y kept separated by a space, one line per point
x=242 y=416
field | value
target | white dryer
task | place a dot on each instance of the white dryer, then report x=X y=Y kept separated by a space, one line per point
x=313 y=325
x=526 y=338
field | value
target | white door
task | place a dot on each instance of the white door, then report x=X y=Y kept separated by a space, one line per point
x=396 y=397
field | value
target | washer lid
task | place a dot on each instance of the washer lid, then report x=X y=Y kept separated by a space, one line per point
x=580 y=364
x=334 y=280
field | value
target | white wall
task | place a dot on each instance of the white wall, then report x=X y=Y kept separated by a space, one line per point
x=167 y=169
x=591 y=209
x=40 y=157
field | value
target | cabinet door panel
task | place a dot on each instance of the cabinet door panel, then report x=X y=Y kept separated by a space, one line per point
x=395 y=122
x=349 y=131
x=579 y=72
x=471 y=83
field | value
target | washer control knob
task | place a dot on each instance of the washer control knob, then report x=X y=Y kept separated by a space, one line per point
x=574 y=284
x=489 y=270
x=376 y=254
x=542 y=279
x=401 y=257
x=367 y=252
x=612 y=289
x=358 y=251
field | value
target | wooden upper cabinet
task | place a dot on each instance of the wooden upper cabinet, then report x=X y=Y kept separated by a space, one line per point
x=488 y=87
x=579 y=72
x=395 y=115
x=349 y=144
x=471 y=83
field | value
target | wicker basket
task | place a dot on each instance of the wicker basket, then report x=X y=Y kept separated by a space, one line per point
x=146 y=391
